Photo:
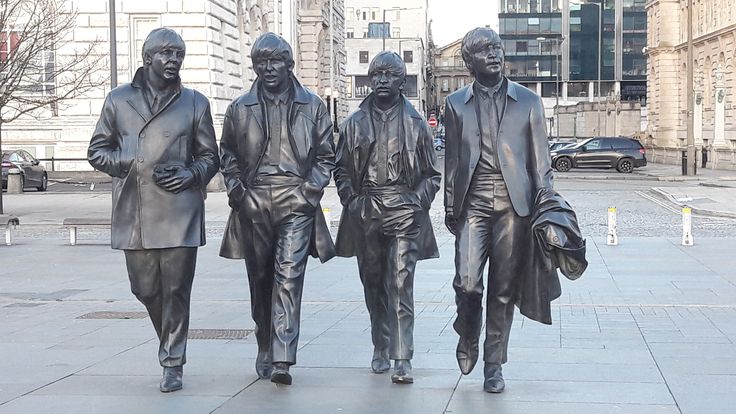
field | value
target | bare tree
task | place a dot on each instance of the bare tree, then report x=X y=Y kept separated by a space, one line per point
x=40 y=65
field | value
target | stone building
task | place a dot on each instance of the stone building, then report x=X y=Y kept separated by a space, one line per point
x=404 y=31
x=218 y=35
x=714 y=47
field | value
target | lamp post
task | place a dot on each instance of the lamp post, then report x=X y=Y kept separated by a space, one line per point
x=557 y=82
x=113 y=48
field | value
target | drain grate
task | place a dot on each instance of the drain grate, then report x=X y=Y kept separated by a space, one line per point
x=222 y=334
x=114 y=315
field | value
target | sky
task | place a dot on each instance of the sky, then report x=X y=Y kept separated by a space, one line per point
x=451 y=19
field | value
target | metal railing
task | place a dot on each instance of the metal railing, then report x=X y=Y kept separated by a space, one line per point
x=54 y=160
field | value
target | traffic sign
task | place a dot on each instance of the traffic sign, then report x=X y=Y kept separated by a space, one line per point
x=432 y=122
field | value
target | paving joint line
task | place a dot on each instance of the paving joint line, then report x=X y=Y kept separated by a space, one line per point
x=656 y=363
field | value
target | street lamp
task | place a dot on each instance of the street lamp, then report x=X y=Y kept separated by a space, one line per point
x=557 y=81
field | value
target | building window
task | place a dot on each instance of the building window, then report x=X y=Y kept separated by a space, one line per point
x=8 y=45
x=362 y=86
x=349 y=13
x=410 y=87
x=379 y=30
x=141 y=26
x=445 y=85
x=374 y=13
x=363 y=56
x=395 y=32
x=40 y=65
x=365 y=16
x=350 y=35
x=521 y=47
x=409 y=56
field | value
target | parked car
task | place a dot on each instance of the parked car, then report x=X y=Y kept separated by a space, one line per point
x=623 y=154
x=439 y=142
x=32 y=173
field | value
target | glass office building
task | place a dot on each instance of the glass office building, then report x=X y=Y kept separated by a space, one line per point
x=565 y=45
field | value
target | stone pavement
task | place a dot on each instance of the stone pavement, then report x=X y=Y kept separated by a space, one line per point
x=648 y=329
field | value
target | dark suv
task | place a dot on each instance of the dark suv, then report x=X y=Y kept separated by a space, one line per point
x=621 y=153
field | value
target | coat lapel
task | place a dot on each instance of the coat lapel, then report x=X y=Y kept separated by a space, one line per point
x=471 y=131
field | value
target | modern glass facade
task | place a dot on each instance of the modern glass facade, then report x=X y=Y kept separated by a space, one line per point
x=544 y=37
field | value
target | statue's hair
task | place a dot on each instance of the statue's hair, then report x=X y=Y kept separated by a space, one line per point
x=160 y=38
x=387 y=60
x=475 y=40
x=270 y=45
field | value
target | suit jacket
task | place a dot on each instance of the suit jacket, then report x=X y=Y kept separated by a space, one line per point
x=418 y=160
x=522 y=147
x=556 y=242
x=129 y=141
x=242 y=146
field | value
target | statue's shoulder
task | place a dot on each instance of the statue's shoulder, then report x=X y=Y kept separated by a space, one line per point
x=522 y=93
x=459 y=96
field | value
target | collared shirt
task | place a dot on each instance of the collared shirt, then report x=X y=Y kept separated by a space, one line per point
x=490 y=104
x=278 y=157
x=156 y=99
x=384 y=167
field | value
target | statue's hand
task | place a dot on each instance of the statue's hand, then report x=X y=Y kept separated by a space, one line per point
x=451 y=223
x=173 y=178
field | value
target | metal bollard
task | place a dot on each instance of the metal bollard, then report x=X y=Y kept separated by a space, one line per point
x=15 y=183
x=612 y=239
x=687 y=226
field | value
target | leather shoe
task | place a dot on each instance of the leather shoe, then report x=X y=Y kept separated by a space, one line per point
x=263 y=365
x=171 y=380
x=380 y=362
x=402 y=372
x=281 y=374
x=467 y=354
x=494 y=382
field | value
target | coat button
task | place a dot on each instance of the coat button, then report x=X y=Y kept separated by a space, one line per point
x=166 y=134
x=140 y=159
x=142 y=135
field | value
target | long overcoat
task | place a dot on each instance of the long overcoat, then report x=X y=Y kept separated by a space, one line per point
x=129 y=141
x=242 y=147
x=418 y=161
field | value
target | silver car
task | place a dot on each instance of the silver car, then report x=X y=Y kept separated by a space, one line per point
x=32 y=173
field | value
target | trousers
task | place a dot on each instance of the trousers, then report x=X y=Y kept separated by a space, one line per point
x=488 y=231
x=278 y=230
x=387 y=252
x=162 y=279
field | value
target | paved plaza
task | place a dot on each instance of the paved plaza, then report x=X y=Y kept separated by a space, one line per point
x=650 y=328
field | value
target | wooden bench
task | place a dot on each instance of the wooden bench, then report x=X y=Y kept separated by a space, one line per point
x=9 y=222
x=87 y=222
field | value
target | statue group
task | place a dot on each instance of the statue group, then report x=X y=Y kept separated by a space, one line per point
x=277 y=153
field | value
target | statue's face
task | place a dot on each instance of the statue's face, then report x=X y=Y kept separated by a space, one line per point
x=166 y=62
x=273 y=72
x=488 y=60
x=387 y=83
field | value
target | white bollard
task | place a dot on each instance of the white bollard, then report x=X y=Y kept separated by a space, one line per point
x=612 y=239
x=687 y=226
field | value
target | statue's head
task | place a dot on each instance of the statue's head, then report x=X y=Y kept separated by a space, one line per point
x=387 y=73
x=483 y=53
x=273 y=61
x=163 y=53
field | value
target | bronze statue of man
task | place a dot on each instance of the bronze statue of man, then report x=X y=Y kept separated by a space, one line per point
x=156 y=139
x=277 y=155
x=496 y=162
x=386 y=179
